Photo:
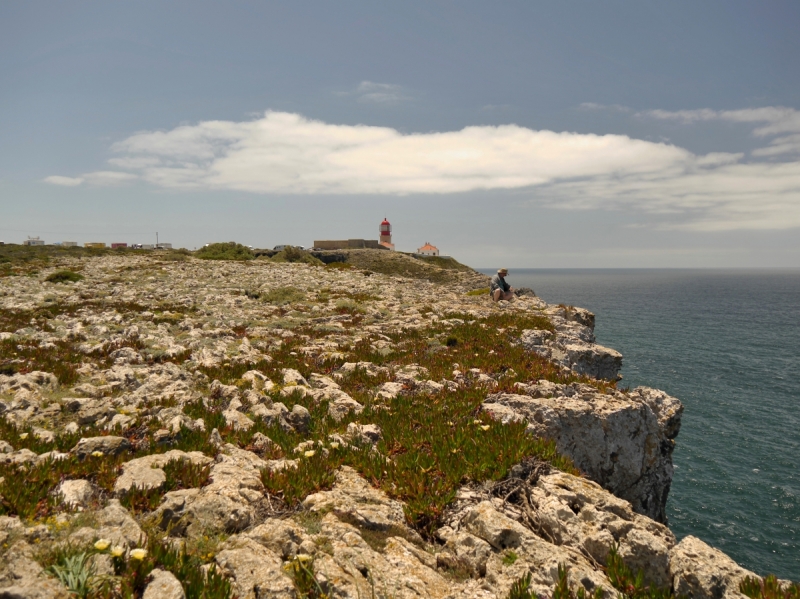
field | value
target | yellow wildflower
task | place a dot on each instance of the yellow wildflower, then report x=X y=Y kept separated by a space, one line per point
x=139 y=554
x=102 y=544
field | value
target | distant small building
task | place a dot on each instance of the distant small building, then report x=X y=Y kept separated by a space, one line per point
x=97 y=245
x=115 y=246
x=146 y=246
x=428 y=250
x=33 y=241
x=164 y=246
x=69 y=244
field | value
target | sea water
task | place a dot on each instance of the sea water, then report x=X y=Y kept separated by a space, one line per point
x=727 y=344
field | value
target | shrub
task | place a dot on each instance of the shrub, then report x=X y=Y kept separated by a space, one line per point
x=293 y=254
x=225 y=251
x=64 y=276
x=283 y=295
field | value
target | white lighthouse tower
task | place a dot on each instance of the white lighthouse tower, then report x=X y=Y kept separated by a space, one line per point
x=386 y=235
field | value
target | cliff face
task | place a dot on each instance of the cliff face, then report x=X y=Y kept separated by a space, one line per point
x=623 y=441
x=341 y=435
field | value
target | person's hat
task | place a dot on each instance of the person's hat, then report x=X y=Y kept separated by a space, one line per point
x=502 y=271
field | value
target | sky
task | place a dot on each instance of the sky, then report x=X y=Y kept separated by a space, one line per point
x=522 y=134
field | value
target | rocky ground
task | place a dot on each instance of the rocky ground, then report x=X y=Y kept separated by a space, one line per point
x=175 y=427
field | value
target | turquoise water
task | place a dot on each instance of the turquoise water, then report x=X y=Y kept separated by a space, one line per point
x=727 y=344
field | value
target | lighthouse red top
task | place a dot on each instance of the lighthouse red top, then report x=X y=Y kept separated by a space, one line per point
x=385 y=227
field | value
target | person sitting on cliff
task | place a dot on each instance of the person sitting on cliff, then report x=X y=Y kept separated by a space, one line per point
x=499 y=289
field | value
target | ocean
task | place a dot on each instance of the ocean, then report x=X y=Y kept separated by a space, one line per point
x=727 y=344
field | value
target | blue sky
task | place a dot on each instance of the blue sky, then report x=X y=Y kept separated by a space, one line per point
x=530 y=134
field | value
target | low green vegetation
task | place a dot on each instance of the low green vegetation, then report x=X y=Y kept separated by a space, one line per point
x=477 y=292
x=64 y=276
x=301 y=569
x=74 y=568
x=339 y=266
x=179 y=475
x=769 y=588
x=225 y=251
x=628 y=584
x=562 y=590
x=293 y=254
x=283 y=295
x=62 y=357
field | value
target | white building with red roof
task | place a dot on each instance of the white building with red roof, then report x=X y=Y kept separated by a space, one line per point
x=428 y=250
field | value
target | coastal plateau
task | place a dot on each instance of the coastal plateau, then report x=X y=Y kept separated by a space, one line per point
x=371 y=427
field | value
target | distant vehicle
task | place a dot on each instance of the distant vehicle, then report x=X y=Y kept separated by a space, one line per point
x=279 y=248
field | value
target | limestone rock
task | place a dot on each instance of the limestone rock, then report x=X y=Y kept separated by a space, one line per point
x=21 y=577
x=617 y=441
x=76 y=493
x=115 y=524
x=293 y=377
x=146 y=472
x=282 y=537
x=702 y=572
x=368 y=434
x=256 y=571
x=163 y=586
x=343 y=405
x=299 y=418
x=237 y=420
x=109 y=445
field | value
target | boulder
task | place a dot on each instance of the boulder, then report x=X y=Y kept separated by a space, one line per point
x=342 y=406
x=163 y=585
x=299 y=418
x=108 y=445
x=115 y=524
x=76 y=493
x=368 y=434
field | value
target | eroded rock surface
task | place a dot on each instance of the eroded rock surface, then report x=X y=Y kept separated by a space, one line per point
x=618 y=440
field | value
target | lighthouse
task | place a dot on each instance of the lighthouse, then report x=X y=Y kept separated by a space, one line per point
x=386 y=235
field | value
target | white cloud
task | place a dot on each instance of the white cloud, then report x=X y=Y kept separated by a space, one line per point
x=107 y=178
x=100 y=178
x=65 y=181
x=369 y=92
x=776 y=120
x=684 y=116
x=789 y=144
x=595 y=107
x=284 y=153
